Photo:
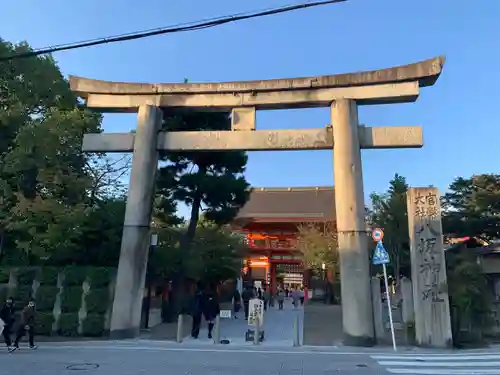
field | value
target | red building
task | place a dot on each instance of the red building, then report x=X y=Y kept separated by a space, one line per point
x=270 y=221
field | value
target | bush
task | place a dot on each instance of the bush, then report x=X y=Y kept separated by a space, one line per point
x=48 y=276
x=4 y=275
x=93 y=325
x=26 y=276
x=71 y=299
x=46 y=298
x=75 y=275
x=68 y=325
x=22 y=294
x=97 y=301
x=99 y=276
x=43 y=323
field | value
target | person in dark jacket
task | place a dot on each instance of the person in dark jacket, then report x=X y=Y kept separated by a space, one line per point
x=196 y=313
x=246 y=296
x=211 y=309
x=8 y=317
x=27 y=325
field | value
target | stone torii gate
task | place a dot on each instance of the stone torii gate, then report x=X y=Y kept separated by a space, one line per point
x=343 y=93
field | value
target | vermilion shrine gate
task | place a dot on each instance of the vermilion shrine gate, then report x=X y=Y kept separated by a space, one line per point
x=270 y=221
x=343 y=93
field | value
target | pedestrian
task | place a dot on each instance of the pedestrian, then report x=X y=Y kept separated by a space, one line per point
x=259 y=293
x=267 y=297
x=8 y=317
x=280 y=296
x=27 y=324
x=211 y=309
x=196 y=312
x=246 y=296
x=236 y=303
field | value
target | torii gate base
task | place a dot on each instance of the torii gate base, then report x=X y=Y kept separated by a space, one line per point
x=343 y=93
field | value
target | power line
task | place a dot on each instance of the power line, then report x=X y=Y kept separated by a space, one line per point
x=191 y=26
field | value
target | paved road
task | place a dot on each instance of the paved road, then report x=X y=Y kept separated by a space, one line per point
x=155 y=358
x=278 y=327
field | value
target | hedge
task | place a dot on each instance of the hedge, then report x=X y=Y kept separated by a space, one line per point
x=48 y=276
x=71 y=299
x=97 y=301
x=93 y=325
x=26 y=276
x=22 y=294
x=75 y=275
x=4 y=275
x=68 y=325
x=99 y=277
x=43 y=323
x=46 y=297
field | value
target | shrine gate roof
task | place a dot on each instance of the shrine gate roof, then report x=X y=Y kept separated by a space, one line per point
x=278 y=204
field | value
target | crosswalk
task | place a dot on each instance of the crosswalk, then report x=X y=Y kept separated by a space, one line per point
x=450 y=364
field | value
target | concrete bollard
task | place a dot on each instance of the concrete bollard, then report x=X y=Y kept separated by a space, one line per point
x=180 y=328
x=217 y=330
x=256 y=336
x=296 y=331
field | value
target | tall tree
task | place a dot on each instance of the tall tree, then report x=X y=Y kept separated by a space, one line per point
x=472 y=207
x=43 y=181
x=208 y=182
x=318 y=244
x=389 y=212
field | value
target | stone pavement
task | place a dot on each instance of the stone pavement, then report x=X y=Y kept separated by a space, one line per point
x=278 y=327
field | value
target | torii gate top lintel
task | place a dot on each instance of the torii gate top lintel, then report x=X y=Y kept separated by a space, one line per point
x=390 y=85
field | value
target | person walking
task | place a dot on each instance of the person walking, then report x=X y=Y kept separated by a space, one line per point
x=211 y=309
x=280 y=296
x=267 y=297
x=246 y=296
x=236 y=303
x=8 y=318
x=196 y=313
x=27 y=324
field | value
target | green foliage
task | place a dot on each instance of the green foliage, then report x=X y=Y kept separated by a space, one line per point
x=26 y=276
x=99 y=276
x=4 y=275
x=48 y=276
x=389 y=212
x=71 y=299
x=46 y=297
x=43 y=323
x=216 y=255
x=469 y=295
x=68 y=325
x=75 y=275
x=97 y=301
x=472 y=207
x=93 y=325
x=318 y=245
x=22 y=294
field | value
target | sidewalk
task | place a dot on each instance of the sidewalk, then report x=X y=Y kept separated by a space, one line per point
x=278 y=328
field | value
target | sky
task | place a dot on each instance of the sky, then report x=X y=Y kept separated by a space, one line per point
x=459 y=117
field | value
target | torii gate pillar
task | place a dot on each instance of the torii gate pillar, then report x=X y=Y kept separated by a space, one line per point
x=357 y=316
x=131 y=276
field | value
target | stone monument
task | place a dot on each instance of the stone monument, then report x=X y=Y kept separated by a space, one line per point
x=343 y=93
x=428 y=268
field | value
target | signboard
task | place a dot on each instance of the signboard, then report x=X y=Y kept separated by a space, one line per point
x=225 y=314
x=256 y=311
x=377 y=235
x=380 y=255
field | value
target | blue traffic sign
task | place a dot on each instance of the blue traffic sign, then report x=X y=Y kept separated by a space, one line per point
x=380 y=255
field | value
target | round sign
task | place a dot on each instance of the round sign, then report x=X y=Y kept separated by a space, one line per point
x=377 y=234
